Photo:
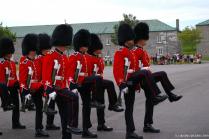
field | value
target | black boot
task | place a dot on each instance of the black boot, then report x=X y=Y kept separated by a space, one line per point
x=87 y=134
x=104 y=128
x=52 y=127
x=41 y=133
x=132 y=135
x=67 y=135
x=8 y=107
x=115 y=108
x=148 y=128
x=95 y=104
x=18 y=126
x=76 y=131
x=173 y=97
x=158 y=99
x=1 y=133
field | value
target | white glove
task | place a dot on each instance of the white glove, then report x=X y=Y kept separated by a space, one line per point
x=146 y=68
x=125 y=90
x=28 y=97
x=52 y=95
x=75 y=91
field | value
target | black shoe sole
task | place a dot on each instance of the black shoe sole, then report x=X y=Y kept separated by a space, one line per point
x=176 y=99
x=148 y=131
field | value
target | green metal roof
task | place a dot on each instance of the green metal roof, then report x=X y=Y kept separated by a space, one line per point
x=97 y=27
x=204 y=23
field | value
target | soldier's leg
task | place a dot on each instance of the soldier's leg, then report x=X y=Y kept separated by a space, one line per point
x=5 y=98
x=37 y=98
x=85 y=91
x=148 y=119
x=16 y=112
x=96 y=83
x=50 y=118
x=73 y=111
x=63 y=111
x=146 y=80
x=162 y=77
x=129 y=104
x=112 y=95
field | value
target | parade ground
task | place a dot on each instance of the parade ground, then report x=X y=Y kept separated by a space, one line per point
x=187 y=118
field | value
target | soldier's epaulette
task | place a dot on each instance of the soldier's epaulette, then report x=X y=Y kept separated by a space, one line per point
x=25 y=61
x=50 y=52
x=75 y=53
x=2 y=60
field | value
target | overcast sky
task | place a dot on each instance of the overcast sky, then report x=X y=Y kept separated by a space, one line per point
x=44 y=12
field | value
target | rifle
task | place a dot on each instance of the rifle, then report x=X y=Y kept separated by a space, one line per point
x=95 y=69
x=28 y=84
x=48 y=99
x=126 y=68
x=77 y=73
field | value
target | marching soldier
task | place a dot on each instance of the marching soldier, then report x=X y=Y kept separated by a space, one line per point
x=55 y=74
x=29 y=80
x=142 y=36
x=8 y=80
x=128 y=77
x=95 y=50
x=81 y=79
x=44 y=47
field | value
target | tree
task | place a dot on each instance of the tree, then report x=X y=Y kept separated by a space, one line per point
x=5 y=32
x=189 y=38
x=127 y=18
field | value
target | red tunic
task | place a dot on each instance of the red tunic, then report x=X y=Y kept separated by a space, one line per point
x=10 y=65
x=100 y=64
x=48 y=67
x=143 y=56
x=87 y=66
x=38 y=62
x=25 y=63
x=119 y=63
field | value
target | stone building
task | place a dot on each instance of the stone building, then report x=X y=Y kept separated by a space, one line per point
x=203 y=46
x=163 y=38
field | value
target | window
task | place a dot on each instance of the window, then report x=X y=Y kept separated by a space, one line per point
x=160 y=51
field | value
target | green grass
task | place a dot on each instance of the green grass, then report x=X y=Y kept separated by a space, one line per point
x=188 y=49
x=206 y=58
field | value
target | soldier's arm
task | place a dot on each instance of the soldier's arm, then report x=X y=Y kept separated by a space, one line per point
x=47 y=68
x=118 y=68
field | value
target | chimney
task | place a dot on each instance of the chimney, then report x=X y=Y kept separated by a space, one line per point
x=177 y=25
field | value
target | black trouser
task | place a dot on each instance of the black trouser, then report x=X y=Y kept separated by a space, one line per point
x=63 y=98
x=145 y=79
x=85 y=92
x=37 y=98
x=50 y=118
x=5 y=96
x=15 y=100
x=73 y=110
x=63 y=111
x=162 y=77
x=112 y=96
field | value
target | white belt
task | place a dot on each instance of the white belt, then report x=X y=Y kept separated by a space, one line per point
x=59 y=78
x=83 y=74
x=130 y=71
x=33 y=81
x=11 y=78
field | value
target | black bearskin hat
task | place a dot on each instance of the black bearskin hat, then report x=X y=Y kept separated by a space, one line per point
x=125 y=33
x=62 y=35
x=81 y=39
x=141 y=31
x=44 y=43
x=29 y=43
x=6 y=47
x=96 y=44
